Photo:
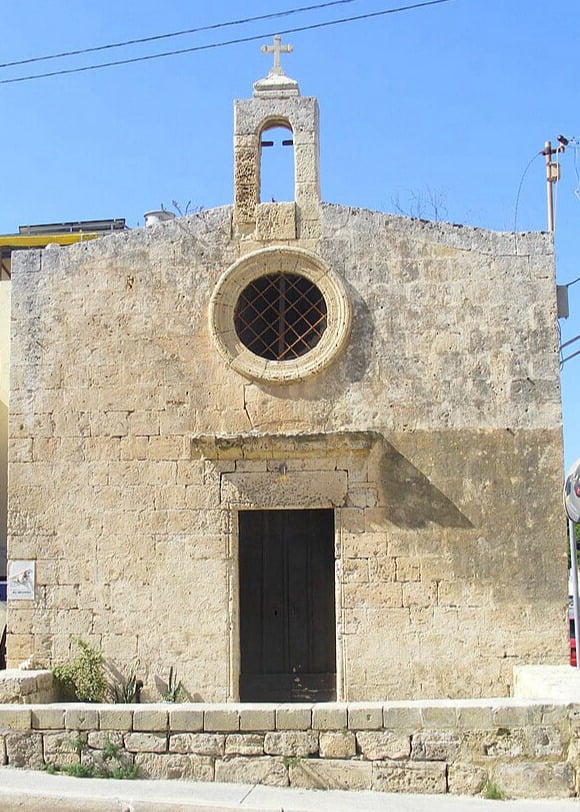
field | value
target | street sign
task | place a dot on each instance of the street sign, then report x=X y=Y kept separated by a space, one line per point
x=572 y=493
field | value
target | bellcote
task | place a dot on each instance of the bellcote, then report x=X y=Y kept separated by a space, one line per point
x=276 y=102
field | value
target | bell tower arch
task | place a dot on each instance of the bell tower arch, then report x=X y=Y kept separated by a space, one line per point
x=276 y=102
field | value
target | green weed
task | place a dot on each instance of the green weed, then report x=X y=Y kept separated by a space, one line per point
x=83 y=678
x=174 y=690
x=492 y=792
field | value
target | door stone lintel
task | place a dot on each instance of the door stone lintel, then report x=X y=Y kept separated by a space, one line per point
x=256 y=445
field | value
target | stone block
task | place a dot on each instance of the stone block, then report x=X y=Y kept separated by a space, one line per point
x=408 y=569
x=306 y=158
x=384 y=744
x=45 y=684
x=166 y=448
x=363 y=716
x=545 y=742
x=202 y=744
x=326 y=716
x=298 y=717
x=48 y=718
x=329 y=774
x=150 y=719
x=516 y=714
x=276 y=221
x=61 y=749
x=574 y=713
x=354 y=570
x=24 y=750
x=185 y=719
x=403 y=717
x=102 y=761
x=291 y=743
x=535 y=780
x=245 y=744
x=266 y=770
x=15 y=718
x=115 y=718
x=497 y=743
x=18 y=686
x=475 y=717
x=434 y=745
x=257 y=718
x=20 y=450
x=465 y=779
x=221 y=719
x=337 y=744
x=145 y=742
x=421 y=778
x=175 y=765
x=81 y=718
x=553 y=715
x=439 y=716
x=99 y=739
x=2 y=751
x=328 y=489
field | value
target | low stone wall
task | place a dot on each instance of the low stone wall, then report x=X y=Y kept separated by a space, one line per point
x=26 y=687
x=525 y=748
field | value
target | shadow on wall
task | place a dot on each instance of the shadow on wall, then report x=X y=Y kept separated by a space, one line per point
x=412 y=500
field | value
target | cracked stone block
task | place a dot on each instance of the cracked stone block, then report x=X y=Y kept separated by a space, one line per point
x=266 y=770
x=330 y=774
x=423 y=778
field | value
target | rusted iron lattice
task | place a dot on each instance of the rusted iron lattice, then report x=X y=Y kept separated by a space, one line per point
x=280 y=316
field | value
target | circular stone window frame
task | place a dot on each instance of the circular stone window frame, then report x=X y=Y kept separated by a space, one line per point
x=271 y=261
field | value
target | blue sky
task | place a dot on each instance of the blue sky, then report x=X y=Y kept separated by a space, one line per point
x=450 y=102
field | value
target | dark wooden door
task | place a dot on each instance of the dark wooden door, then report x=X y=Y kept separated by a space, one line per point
x=287 y=617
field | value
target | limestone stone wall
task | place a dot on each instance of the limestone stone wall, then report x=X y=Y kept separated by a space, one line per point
x=435 y=435
x=4 y=388
x=523 y=749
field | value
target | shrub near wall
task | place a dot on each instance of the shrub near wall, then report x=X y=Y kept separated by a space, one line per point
x=523 y=749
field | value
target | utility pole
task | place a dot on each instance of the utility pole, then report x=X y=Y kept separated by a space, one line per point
x=552 y=174
x=552 y=177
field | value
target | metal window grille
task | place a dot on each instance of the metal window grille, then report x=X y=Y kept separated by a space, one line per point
x=280 y=316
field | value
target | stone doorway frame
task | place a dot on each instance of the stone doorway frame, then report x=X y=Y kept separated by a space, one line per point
x=284 y=471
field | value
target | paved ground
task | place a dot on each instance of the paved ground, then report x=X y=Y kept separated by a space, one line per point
x=38 y=791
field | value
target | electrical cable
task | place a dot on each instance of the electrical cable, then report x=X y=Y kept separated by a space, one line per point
x=198 y=30
x=237 y=41
x=571 y=341
x=569 y=357
x=525 y=172
x=574 y=145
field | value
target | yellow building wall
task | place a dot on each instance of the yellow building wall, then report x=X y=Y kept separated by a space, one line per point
x=4 y=376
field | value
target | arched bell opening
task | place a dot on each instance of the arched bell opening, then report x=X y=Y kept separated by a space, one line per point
x=277 y=163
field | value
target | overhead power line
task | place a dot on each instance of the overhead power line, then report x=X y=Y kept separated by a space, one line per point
x=198 y=30
x=224 y=44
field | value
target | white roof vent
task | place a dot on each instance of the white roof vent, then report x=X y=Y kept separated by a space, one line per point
x=153 y=218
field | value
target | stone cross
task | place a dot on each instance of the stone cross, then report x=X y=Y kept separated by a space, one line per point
x=277 y=48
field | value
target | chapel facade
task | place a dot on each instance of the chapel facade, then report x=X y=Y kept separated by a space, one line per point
x=294 y=450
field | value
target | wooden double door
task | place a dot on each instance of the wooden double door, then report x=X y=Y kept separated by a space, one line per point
x=287 y=606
